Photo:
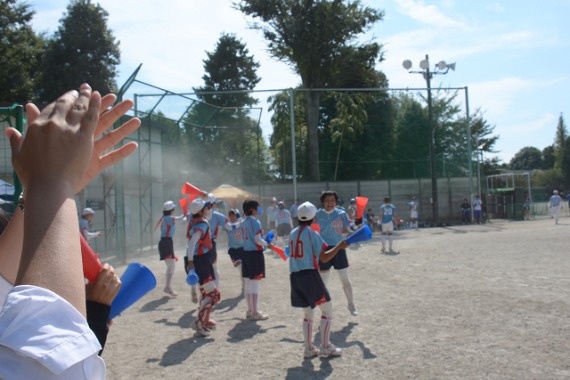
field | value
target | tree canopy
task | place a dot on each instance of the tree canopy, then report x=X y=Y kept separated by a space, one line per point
x=20 y=52
x=315 y=37
x=83 y=49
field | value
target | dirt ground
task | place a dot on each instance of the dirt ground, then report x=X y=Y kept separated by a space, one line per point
x=464 y=302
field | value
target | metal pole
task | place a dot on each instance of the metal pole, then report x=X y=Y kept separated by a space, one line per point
x=469 y=148
x=433 y=165
x=293 y=155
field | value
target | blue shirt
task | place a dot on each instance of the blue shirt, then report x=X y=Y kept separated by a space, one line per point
x=305 y=246
x=167 y=227
x=294 y=209
x=250 y=227
x=235 y=239
x=218 y=219
x=272 y=213
x=555 y=200
x=332 y=225
x=387 y=211
x=283 y=216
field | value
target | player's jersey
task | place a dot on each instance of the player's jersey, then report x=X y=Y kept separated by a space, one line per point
x=167 y=227
x=235 y=239
x=205 y=243
x=387 y=211
x=332 y=225
x=305 y=246
x=250 y=227
x=477 y=204
x=217 y=221
x=283 y=216
x=293 y=210
x=272 y=213
x=413 y=205
x=555 y=200
x=83 y=227
x=351 y=212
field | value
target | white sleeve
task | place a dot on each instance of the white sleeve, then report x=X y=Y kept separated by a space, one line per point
x=259 y=240
x=89 y=235
x=192 y=244
x=63 y=344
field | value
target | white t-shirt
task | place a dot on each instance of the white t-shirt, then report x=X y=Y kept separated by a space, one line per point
x=42 y=336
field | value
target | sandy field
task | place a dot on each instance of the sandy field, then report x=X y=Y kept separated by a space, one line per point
x=464 y=302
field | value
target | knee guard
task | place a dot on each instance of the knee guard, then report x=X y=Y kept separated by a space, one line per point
x=215 y=295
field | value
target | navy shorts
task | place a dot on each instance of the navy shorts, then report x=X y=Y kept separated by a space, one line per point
x=253 y=265
x=166 y=248
x=204 y=268
x=308 y=289
x=283 y=229
x=340 y=261
x=235 y=254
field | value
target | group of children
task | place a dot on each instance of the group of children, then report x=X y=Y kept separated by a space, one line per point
x=311 y=256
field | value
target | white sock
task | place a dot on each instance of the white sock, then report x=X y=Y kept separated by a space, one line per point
x=255 y=287
x=326 y=323
x=346 y=285
x=390 y=241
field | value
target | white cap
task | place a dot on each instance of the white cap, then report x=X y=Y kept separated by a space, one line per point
x=555 y=191
x=87 y=211
x=212 y=198
x=306 y=211
x=168 y=205
x=274 y=199
x=197 y=205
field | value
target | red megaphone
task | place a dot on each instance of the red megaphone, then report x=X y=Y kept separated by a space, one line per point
x=360 y=206
x=91 y=264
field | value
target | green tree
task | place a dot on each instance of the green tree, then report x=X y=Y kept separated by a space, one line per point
x=548 y=157
x=223 y=128
x=83 y=49
x=528 y=158
x=566 y=164
x=560 y=142
x=280 y=139
x=20 y=52
x=315 y=38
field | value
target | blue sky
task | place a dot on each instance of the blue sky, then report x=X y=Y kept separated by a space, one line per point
x=513 y=55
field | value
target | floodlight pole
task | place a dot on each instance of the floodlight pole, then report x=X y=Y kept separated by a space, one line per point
x=293 y=155
x=427 y=74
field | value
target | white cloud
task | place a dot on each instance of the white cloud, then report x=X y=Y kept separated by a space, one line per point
x=495 y=7
x=427 y=14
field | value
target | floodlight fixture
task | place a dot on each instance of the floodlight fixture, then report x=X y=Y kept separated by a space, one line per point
x=407 y=64
x=424 y=64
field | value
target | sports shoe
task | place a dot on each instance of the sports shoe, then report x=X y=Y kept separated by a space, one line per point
x=352 y=309
x=311 y=352
x=194 y=296
x=170 y=291
x=331 y=350
x=211 y=324
x=237 y=263
x=259 y=316
x=201 y=331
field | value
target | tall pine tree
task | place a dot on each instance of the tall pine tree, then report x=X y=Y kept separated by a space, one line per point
x=83 y=49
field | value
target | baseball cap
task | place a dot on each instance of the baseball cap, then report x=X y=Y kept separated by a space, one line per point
x=197 y=205
x=87 y=211
x=306 y=211
x=555 y=191
x=168 y=205
x=212 y=198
